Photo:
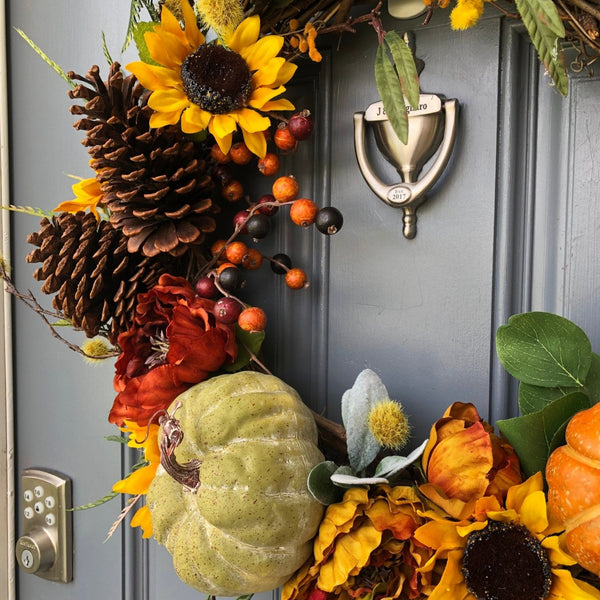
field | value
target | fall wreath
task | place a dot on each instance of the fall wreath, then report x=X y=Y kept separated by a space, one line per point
x=247 y=488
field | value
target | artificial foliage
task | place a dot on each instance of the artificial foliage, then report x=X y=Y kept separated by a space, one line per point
x=246 y=487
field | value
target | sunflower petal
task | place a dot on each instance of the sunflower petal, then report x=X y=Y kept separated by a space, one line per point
x=256 y=142
x=534 y=514
x=261 y=96
x=565 y=587
x=262 y=51
x=192 y=32
x=280 y=104
x=245 y=35
x=267 y=74
x=169 y=24
x=517 y=493
x=194 y=119
x=452 y=584
x=554 y=546
x=153 y=77
x=252 y=121
x=168 y=100
x=285 y=73
x=166 y=49
x=160 y=119
x=222 y=125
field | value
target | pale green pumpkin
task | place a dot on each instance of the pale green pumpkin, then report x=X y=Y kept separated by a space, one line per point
x=250 y=524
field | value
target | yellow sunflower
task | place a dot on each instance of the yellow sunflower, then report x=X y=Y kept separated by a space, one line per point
x=214 y=86
x=510 y=553
x=139 y=481
x=87 y=195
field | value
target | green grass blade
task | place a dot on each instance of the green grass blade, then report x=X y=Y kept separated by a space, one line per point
x=29 y=210
x=46 y=58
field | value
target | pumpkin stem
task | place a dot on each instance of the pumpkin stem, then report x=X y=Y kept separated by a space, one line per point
x=187 y=474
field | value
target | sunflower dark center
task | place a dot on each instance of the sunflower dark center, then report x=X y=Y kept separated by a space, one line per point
x=504 y=561
x=216 y=79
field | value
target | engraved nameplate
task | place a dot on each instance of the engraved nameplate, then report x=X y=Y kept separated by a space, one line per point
x=428 y=104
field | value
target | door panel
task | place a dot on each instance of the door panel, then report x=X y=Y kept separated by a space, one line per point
x=511 y=226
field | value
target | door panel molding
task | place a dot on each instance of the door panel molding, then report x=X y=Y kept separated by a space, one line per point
x=7 y=484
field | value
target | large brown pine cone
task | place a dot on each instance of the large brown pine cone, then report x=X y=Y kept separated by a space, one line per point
x=157 y=187
x=95 y=279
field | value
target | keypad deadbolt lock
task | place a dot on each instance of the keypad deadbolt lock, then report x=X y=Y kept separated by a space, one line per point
x=46 y=546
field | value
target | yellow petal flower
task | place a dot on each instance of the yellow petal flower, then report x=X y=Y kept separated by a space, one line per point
x=262 y=52
x=88 y=195
x=143 y=519
x=169 y=45
x=245 y=35
x=168 y=100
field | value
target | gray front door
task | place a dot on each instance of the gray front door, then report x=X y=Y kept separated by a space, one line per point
x=512 y=225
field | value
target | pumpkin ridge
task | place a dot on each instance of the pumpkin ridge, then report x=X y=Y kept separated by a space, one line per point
x=582 y=458
x=583 y=517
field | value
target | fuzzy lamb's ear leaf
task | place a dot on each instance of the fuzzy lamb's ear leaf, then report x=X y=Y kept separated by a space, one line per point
x=357 y=403
x=544 y=349
x=392 y=465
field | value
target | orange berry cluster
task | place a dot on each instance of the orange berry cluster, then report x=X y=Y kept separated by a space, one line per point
x=223 y=275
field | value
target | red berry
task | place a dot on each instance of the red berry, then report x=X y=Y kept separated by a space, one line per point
x=206 y=288
x=239 y=220
x=267 y=210
x=221 y=174
x=252 y=319
x=301 y=125
x=284 y=140
x=227 y=310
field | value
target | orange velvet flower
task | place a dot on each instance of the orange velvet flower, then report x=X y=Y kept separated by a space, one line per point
x=175 y=342
x=365 y=549
x=464 y=461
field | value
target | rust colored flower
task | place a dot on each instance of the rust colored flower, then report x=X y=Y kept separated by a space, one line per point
x=174 y=343
x=365 y=549
x=464 y=461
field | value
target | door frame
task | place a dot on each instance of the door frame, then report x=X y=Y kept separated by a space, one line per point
x=7 y=480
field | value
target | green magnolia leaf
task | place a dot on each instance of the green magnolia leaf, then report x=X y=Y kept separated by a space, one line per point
x=592 y=382
x=545 y=29
x=405 y=67
x=532 y=435
x=140 y=41
x=544 y=349
x=390 y=90
x=320 y=485
x=533 y=397
x=558 y=439
x=248 y=343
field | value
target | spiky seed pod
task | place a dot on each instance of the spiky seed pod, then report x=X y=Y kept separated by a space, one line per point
x=174 y=6
x=94 y=278
x=156 y=186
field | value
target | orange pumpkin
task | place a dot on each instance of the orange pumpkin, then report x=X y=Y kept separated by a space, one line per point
x=573 y=476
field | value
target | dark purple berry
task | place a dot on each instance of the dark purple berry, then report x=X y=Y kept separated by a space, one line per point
x=258 y=226
x=230 y=279
x=329 y=220
x=206 y=288
x=267 y=210
x=279 y=262
x=227 y=310
x=221 y=174
x=301 y=125
x=239 y=220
